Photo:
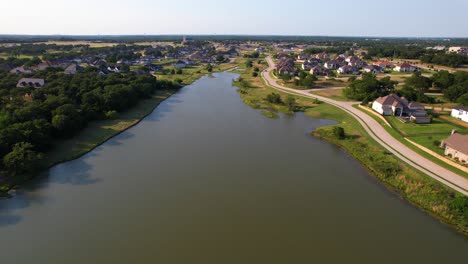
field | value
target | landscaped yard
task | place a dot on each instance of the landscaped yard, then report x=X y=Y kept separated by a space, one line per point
x=427 y=135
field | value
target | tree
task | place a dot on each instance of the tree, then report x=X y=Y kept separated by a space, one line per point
x=179 y=71
x=248 y=64
x=274 y=98
x=22 y=159
x=220 y=58
x=369 y=87
x=339 y=132
x=172 y=71
x=463 y=100
x=209 y=68
x=255 y=74
x=443 y=79
x=291 y=103
x=419 y=81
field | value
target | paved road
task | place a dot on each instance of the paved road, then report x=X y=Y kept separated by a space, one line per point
x=376 y=131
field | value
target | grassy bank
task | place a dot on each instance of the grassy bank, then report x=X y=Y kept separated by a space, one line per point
x=424 y=192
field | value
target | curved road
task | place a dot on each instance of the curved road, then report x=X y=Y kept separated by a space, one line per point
x=379 y=134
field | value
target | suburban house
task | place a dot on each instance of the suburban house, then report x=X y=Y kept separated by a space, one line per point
x=319 y=71
x=286 y=65
x=30 y=82
x=333 y=64
x=322 y=56
x=348 y=70
x=306 y=66
x=20 y=70
x=372 y=69
x=406 y=67
x=180 y=64
x=383 y=64
x=73 y=68
x=456 y=147
x=393 y=105
x=461 y=113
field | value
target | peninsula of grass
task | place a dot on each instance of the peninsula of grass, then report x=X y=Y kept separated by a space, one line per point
x=447 y=205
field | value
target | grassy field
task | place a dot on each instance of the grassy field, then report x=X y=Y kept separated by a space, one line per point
x=333 y=94
x=417 y=188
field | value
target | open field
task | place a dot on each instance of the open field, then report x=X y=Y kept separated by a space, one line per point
x=336 y=94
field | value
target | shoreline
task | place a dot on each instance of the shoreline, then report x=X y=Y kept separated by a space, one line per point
x=389 y=187
x=417 y=189
x=8 y=187
x=154 y=102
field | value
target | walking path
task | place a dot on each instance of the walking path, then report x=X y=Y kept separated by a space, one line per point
x=379 y=134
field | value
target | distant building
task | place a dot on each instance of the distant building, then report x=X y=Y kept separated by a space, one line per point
x=461 y=113
x=456 y=147
x=406 y=67
x=73 y=68
x=372 y=69
x=383 y=64
x=348 y=70
x=30 y=82
x=319 y=71
x=180 y=64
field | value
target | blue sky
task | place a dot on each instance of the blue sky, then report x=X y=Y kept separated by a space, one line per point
x=412 y=18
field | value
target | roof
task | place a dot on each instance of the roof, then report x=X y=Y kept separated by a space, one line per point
x=391 y=99
x=415 y=104
x=463 y=108
x=458 y=142
x=406 y=65
x=30 y=82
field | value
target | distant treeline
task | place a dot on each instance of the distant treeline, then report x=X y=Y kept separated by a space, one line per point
x=319 y=40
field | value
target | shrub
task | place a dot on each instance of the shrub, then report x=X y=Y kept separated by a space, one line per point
x=274 y=98
x=254 y=74
x=339 y=133
x=111 y=114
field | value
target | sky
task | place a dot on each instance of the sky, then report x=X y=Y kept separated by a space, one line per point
x=395 y=18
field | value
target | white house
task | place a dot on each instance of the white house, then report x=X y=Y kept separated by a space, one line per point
x=399 y=106
x=406 y=67
x=461 y=113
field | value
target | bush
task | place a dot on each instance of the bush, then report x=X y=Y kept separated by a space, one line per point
x=111 y=114
x=254 y=74
x=274 y=98
x=339 y=133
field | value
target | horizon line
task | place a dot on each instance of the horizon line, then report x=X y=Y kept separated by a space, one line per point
x=215 y=34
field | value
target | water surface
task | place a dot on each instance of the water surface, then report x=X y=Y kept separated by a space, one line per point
x=206 y=179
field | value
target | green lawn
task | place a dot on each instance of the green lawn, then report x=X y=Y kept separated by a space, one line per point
x=426 y=134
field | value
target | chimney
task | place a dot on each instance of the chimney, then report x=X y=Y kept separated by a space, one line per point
x=454 y=131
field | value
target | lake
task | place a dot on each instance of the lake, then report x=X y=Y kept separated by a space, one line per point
x=206 y=179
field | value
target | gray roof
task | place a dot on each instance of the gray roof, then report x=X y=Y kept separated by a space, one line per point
x=458 y=142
